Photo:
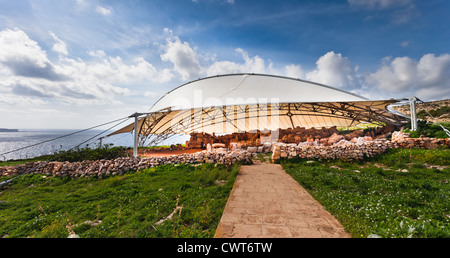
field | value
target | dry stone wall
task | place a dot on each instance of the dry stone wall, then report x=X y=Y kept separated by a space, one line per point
x=102 y=168
x=335 y=147
x=355 y=149
x=290 y=135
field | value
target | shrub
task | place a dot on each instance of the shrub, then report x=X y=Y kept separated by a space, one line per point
x=86 y=153
x=427 y=129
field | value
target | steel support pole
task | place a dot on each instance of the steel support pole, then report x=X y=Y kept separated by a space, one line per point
x=412 y=105
x=136 y=133
x=136 y=137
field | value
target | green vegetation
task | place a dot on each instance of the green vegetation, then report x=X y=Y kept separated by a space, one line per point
x=76 y=155
x=402 y=158
x=265 y=157
x=422 y=114
x=24 y=161
x=361 y=126
x=392 y=195
x=86 y=153
x=427 y=129
x=130 y=205
x=402 y=193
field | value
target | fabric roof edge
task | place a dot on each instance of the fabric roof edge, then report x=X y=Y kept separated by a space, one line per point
x=389 y=101
x=130 y=127
x=257 y=74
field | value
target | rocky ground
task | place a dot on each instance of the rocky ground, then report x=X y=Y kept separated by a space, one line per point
x=428 y=107
x=335 y=147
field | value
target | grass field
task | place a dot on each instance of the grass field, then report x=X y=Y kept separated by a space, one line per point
x=402 y=193
x=166 y=201
x=398 y=194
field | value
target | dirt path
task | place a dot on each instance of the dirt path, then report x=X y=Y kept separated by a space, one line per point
x=267 y=202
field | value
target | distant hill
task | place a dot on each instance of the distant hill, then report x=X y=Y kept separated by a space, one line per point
x=3 y=130
x=439 y=110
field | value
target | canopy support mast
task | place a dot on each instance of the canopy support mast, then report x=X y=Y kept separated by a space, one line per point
x=412 y=105
x=136 y=133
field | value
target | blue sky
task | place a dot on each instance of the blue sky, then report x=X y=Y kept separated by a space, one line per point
x=78 y=63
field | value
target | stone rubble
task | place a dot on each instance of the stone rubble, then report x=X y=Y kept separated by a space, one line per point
x=334 y=147
x=102 y=168
x=326 y=136
x=355 y=149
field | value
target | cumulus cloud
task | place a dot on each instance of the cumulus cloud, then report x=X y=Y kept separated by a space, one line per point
x=189 y=64
x=111 y=76
x=428 y=78
x=334 y=70
x=253 y=64
x=59 y=46
x=183 y=57
x=25 y=70
x=294 y=71
x=97 y=53
x=23 y=57
x=150 y=94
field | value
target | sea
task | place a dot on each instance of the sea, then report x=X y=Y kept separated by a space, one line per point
x=30 y=143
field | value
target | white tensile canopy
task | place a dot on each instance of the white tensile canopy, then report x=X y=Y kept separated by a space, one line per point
x=247 y=102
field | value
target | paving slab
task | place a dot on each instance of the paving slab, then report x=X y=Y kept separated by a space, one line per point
x=266 y=202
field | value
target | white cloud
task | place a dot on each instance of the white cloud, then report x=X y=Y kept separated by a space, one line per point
x=404 y=43
x=97 y=53
x=428 y=78
x=104 y=10
x=253 y=64
x=186 y=61
x=114 y=70
x=21 y=56
x=15 y=44
x=250 y=65
x=25 y=70
x=27 y=73
x=183 y=57
x=150 y=94
x=334 y=70
x=398 y=76
x=294 y=71
x=223 y=67
x=59 y=46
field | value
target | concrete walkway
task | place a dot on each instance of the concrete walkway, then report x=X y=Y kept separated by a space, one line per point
x=266 y=202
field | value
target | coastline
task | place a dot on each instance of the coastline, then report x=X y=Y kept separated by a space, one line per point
x=7 y=130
